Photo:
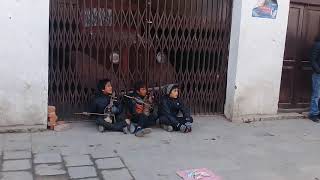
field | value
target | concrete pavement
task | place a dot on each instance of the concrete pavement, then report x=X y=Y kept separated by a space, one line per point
x=277 y=150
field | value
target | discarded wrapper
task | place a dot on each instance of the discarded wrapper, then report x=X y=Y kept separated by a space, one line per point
x=198 y=174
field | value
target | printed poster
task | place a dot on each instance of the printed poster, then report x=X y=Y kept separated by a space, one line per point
x=266 y=9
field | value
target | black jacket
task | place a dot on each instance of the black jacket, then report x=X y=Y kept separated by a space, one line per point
x=315 y=57
x=171 y=107
x=101 y=101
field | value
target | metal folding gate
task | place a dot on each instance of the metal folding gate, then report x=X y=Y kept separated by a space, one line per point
x=158 y=41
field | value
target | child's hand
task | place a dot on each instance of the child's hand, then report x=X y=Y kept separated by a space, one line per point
x=114 y=110
x=151 y=98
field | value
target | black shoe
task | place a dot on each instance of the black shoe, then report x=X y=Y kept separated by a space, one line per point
x=314 y=118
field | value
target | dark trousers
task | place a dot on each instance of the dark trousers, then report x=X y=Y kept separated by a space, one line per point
x=144 y=121
x=175 y=122
x=117 y=126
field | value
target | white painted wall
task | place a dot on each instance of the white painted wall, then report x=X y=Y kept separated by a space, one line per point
x=255 y=61
x=24 y=47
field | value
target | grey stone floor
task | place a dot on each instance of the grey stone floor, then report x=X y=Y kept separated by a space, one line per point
x=270 y=150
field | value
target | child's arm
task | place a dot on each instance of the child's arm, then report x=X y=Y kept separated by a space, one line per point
x=185 y=110
x=132 y=107
x=165 y=110
x=118 y=107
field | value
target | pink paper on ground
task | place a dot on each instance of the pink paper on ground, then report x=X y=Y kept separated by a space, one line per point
x=198 y=174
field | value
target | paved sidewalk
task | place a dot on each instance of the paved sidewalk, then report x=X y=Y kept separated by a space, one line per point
x=271 y=150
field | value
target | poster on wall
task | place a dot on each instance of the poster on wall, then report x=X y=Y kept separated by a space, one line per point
x=266 y=9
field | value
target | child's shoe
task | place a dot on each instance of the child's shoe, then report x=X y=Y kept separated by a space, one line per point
x=167 y=127
x=141 y=132
x=101 y=128
x=183 y=128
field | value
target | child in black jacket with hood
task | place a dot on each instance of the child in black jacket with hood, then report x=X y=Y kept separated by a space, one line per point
x=169 y=108
x=104 y=103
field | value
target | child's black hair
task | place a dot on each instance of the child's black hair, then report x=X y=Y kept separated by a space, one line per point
x=138 y=85
x=102 y=83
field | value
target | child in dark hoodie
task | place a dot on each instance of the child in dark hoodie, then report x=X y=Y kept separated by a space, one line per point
x=169 y=108
x=104 y=103
x=141 y=111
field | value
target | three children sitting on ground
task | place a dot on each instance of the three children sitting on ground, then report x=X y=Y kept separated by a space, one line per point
x=141 y=114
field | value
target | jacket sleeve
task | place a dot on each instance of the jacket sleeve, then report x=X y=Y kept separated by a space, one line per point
x=165 y=110
x=315 y=55
x=117 y=107
x=132 y=106
x=164 y=106
x=185 y=110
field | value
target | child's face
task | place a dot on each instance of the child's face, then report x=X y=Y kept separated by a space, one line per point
x=261 y=3
x=142 y=91
x=174 y=93
x=107 y=89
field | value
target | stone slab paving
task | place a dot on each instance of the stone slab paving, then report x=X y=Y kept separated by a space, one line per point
x=41 y=158
x=57 y=177
x=109 y=163
x=19 y=175
x=17 y=155
x=49 y=169
x=102 y=154
x=78 y=160
x=82 y=172
x=119 y=174
x=17 y=146
x=16 y=165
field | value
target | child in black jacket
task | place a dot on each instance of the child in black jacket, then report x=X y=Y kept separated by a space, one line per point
x=169 y=108
x=104 y=103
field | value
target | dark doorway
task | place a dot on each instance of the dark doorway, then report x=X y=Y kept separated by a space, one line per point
x=303 y=27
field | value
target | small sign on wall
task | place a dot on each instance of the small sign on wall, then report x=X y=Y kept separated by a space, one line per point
x=266 y=9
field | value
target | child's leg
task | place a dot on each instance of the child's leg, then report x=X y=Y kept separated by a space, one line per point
x=140 y=120
x=143 y=121
x=117 y=126
x=101 y=122
x=142 y=124
x=183 y=120
x=151 y=120
x=164 y=120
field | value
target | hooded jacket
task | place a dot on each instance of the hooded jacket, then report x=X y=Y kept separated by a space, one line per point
x=171 y=107
x=101 y=101
x=315 y=57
